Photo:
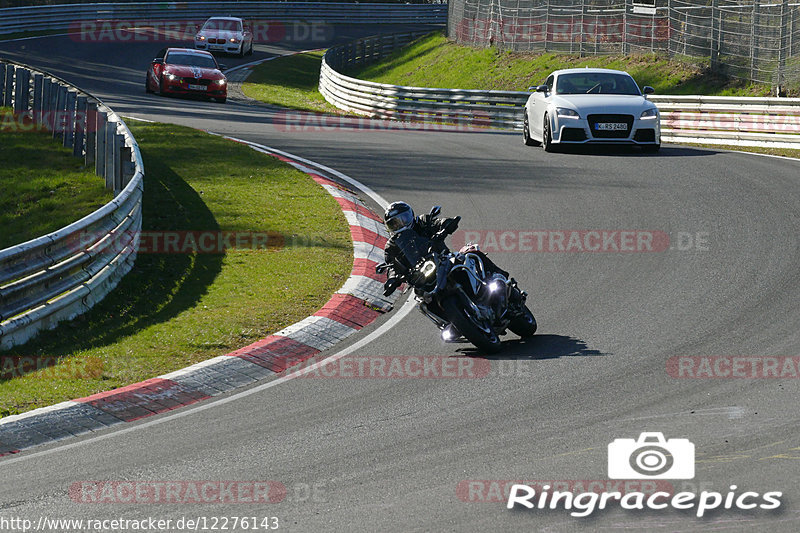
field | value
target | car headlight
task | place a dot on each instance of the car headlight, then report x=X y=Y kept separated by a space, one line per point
x=649 y=114
x=171 y=77
x=201 y=38
x=220 y=82
x=567 y=113
x=234 y=40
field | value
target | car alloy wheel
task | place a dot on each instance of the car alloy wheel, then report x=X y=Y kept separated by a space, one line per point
x=547 y=136
x=526 y=132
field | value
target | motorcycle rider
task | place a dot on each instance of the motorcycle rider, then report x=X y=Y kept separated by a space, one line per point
x=399 y=217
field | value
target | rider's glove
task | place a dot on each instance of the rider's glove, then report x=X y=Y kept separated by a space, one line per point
x=391 y=285
x=451 y=224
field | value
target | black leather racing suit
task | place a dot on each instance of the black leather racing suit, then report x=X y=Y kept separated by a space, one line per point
x=425 y=226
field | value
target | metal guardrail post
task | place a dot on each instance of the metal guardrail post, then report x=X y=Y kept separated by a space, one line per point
x=37 y=100
x=91 y=134
x=100 y=144
x=8 y=94
x=2 y=83
x=59 y=112
x=50 y=93
x=108 y=171
x=119 y=162
x=21 y=90
x=80 y=126
x=127 y=168
x=69 y=119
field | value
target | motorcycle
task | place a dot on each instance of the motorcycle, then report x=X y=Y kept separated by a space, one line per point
x=457 y=294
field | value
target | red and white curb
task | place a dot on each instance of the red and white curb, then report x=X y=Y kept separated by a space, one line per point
x=358 y=303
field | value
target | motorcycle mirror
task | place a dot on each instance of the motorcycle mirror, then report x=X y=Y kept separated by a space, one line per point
x=380 y=269
x=435 y=210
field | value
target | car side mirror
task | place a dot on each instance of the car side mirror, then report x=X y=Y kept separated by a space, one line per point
x=158 y=61
x=541 y=88
x=223 y=67
x=648 y=90
x=435 y=210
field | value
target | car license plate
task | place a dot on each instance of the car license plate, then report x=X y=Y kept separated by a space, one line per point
x=611 y=126
x=194 y=87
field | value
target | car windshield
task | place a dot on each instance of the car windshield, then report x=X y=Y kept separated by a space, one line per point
x=190 y=60
x=596 y=83
x=222 y=25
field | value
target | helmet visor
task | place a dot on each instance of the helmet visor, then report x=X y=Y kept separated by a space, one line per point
x=400 y=221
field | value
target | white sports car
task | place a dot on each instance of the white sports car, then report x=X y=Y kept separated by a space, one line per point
x=225 y=34
x=591 y=105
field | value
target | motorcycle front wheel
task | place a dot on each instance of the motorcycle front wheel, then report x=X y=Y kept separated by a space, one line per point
x=524 y=324
x=481 y=336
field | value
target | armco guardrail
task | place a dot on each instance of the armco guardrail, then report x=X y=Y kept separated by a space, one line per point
x=502 y=109
x=70 y=16
x=62 y=274
x=742 y=121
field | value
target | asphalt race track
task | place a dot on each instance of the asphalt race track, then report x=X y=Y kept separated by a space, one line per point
x=420 y=454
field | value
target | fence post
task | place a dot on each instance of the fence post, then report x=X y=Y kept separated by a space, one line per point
x=2 y=83
x=755 y=22
x=21 y=93
x=119 y=142
x=9 y=92
x=37 y=100
x=714 y=52
x=100 y=144
x=111 y=132
x=59 y=114
x=69 y=119
x=91 y=134
x=80 y=127
x=782 y=48
x=52 y=98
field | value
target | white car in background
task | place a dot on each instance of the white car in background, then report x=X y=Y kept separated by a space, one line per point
x=591 y=105
x=225 y=34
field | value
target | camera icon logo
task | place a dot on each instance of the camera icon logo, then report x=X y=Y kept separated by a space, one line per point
x=651 y=456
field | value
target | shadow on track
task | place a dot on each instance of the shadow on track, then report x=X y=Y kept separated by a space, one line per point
x=544 y=346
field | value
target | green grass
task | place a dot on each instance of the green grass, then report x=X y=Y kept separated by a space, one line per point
x=433 y=61
x=173 y=310
x=42 y=186
x=291 y=81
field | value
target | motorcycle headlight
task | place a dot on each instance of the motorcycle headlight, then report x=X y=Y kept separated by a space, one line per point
x=428 y=268
x=565 y=112
x=649 y=114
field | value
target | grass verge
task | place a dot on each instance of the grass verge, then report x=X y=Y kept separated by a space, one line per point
x=433 y=61
x=173 y=310
x=42 y=186
x=291 y=81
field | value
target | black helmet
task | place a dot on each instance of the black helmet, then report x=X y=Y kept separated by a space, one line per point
x=398 y=216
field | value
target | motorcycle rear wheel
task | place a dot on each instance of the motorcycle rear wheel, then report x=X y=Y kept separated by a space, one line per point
x=486 y=340
x=524 y=325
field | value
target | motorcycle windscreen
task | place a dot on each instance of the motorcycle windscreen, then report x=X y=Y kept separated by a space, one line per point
x=413 y=245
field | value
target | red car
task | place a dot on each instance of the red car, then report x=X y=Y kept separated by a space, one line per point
x=187 y=72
